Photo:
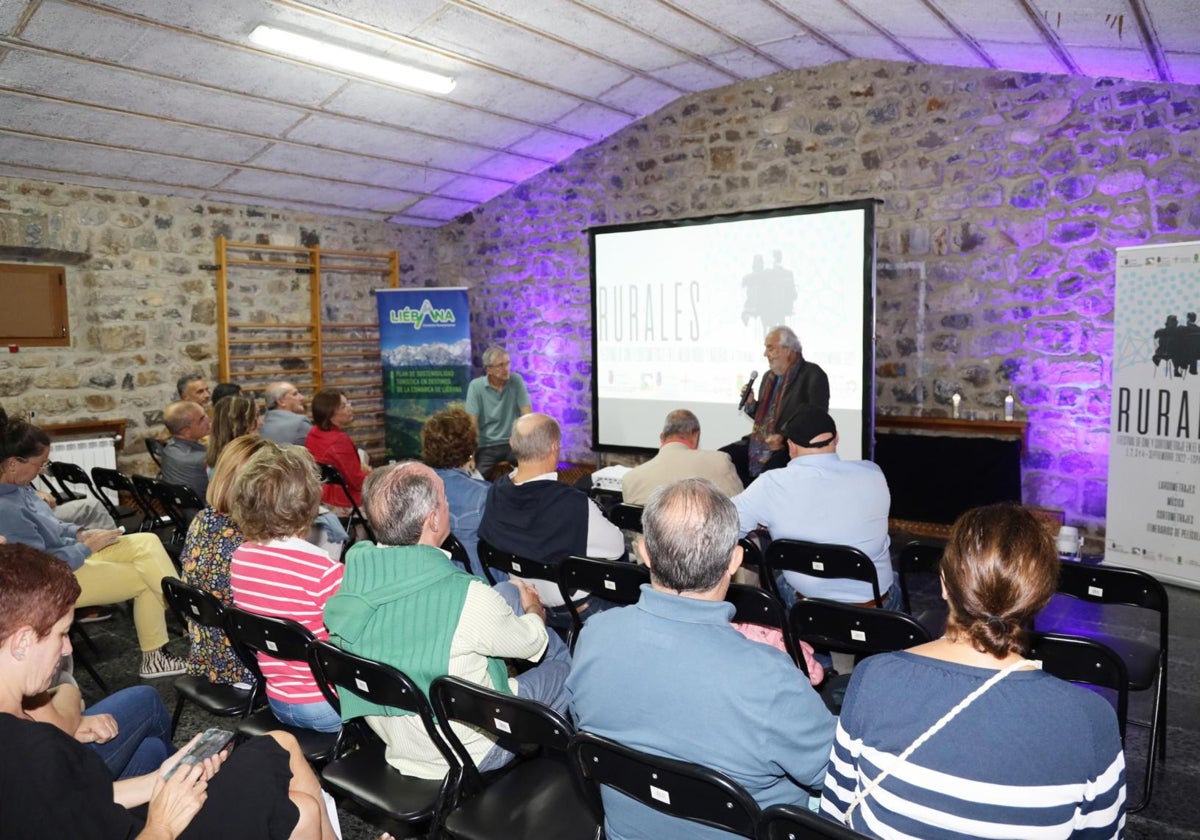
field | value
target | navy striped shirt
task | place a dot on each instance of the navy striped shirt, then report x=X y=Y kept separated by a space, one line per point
x=1034 y=757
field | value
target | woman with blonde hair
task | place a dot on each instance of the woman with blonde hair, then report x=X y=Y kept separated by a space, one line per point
x=277 y=572
x=207 y=552
x=963 y=737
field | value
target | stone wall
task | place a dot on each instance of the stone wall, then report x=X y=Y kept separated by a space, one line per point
x=143 y=311
x=1004 y=195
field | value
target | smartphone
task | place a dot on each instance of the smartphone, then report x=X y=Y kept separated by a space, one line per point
x=210 y=743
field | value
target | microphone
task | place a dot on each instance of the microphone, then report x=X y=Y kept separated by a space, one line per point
x=746 y=390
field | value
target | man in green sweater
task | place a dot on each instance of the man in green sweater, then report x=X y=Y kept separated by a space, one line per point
x=404 y=603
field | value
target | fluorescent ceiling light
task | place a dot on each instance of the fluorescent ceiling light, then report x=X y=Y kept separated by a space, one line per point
x=352 y=61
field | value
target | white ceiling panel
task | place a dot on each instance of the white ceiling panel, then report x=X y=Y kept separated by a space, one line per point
x=23 y=112
x=66 y=156
x=166 y=96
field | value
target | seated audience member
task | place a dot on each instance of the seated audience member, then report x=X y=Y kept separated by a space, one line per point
x=820 y=498
x=448 y=445
x=277 y=572
x=55 y=786
x=1027 y=755
x=404 y=603
x=184 y=453
x=329 y=444
x=225 y=389
x=679 y=458
x=110 y=567
x=83 y=513
x=207 y=552
x=533 y=515
x=285 y=422
x=193 y=387
x=496 y=400
x=670 y=675
x=233 y=417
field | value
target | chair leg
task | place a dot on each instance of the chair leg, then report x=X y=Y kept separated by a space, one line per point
x=178 y=713
x=96 y=678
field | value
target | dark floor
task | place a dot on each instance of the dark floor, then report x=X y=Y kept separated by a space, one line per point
x=1174 y=811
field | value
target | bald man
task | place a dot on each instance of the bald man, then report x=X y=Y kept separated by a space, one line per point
x=183 y=455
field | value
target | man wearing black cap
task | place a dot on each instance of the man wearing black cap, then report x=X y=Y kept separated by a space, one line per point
x=820 y=498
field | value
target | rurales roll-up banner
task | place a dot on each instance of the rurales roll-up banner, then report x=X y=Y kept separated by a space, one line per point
x=1154 y=447
x=425 y=349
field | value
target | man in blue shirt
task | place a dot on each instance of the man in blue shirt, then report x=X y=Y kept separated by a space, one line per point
x=671 y=676
x=496 y=400
x=820 y=498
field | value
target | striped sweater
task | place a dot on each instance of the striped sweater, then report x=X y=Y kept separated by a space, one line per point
x=1034 y=757
x=290 y=579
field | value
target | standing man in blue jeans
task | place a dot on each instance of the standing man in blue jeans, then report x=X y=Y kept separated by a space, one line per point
x=496 y=400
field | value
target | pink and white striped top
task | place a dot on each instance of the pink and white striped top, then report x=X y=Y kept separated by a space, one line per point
x=289 y=579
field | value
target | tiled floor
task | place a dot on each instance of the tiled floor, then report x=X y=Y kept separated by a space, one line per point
x=1173 y=813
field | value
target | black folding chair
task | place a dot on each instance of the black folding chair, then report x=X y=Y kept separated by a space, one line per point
x=493 y=558
x=179 y=505
x=120 y=484
x=792 y=822
x=535 y=796
x=359 y=769
x=919 y=558
x=458 y=552
x=819 y=560
x=68 y=475
x=332 y=476
x=195 y=605
x=612 y=580
x=155 y=448
x=753 y=605
x=1084 y=661
x=1116 y=591
x=252 y=634
x=686 y=791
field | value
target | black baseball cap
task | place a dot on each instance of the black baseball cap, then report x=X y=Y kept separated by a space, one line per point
x=808 y=423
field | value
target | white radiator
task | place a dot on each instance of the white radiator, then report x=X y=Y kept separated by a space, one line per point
x=87 y=453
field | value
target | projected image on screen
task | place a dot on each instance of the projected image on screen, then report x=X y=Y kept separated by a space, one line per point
x=681 y=310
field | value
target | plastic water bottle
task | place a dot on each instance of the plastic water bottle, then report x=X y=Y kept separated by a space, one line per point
x=1008 y=407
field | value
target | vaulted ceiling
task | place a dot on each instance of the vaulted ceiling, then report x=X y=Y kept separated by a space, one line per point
x=168 y=96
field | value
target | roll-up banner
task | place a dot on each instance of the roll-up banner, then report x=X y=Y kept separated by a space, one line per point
x=425 y=350
x=1154 y=442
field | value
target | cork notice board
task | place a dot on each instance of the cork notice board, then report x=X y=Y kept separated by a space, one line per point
x=35 y=305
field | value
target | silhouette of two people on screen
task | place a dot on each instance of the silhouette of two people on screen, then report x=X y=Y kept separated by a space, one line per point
x=1178 y=346
x=770 y=293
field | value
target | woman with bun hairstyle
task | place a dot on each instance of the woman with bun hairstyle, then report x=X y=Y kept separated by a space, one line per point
x=963 y=737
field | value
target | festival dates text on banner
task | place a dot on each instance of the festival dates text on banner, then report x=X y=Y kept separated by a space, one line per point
x=425 y=350
x=1153 y=518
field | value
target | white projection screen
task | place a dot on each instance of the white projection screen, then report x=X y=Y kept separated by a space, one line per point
x=680 y=310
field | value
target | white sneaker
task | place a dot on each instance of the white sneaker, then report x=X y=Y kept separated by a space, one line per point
x=156 y=663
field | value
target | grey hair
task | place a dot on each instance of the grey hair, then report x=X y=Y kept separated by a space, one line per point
x=680 y=422
x=492 y=353
x=787 y=337
x=180 y=414
x=275 y=391
x=690 y=529
x=187 y=379
x=398 y=498
x=534 y=437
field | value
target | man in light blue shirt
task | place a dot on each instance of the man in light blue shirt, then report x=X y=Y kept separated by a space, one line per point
x=496 y=400
x=671 y=676
x=820 y=498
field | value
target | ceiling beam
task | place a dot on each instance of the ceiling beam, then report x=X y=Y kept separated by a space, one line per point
x=1150 y=38
x=1050 y=36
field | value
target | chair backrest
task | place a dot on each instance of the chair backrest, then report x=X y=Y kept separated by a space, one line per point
x=847 y=628
x=820 y=560
x=458 y=551
x=514 y=722
x=67 y=474
x=612 y=580
x=179 y=503
x=61 y=494
x=626 y=516
x=378 y=683
x=793 y=822
x=686 y=791
x=252 y=634
x=1114 y=585
x=1081 y=660
x=193 y=604
x=155 y=448
x=917 y=558
x=332 y=475
x=493 y=558
x=753 y=605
